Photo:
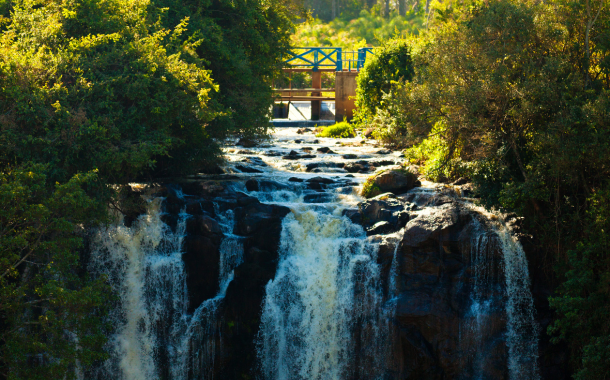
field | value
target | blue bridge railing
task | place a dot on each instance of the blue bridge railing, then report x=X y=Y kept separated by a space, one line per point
x=318 y=58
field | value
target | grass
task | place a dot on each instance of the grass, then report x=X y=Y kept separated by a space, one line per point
x=339 y=130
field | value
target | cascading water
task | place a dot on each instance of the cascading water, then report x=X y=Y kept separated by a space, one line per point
x=523 y=331
x=501 y=282
x=333 y=309
x=327 y=283
x=203 y=338
x=145 y=268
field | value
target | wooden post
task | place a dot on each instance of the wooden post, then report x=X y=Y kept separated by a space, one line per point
x=316 y=105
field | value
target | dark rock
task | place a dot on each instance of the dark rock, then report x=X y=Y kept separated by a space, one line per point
x=350 y=175
x=325 y=149
x=301 y=131
x=202 y=264
x=252 y=185
x=324 y=180
x=266 y=185
x=308 y=156
x=298 y=141
x=315 y=186
x=353 y=215
x=307 y=148
x=382 y=162
x=272 y=153
x=295 y=179
x=255 y=217
x=211 y=169
x=383 y=151
x=200 y=207
x=380 y=228
x=349 y=156
x=254 y=161
x=314 y=165
x=355 y=168
x=384 y=208
x=315 y=141
x=460 y=181
x=204 y=225
x=244 y=151
x=319 y=198
x=246 y=143
x=246 y=169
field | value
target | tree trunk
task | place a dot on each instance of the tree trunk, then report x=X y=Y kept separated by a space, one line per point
x=402 y=7
x=334 y=9
x=386 y=11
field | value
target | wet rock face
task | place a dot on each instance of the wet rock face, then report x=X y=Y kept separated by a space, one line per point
x=439 y=328
x=259 y=226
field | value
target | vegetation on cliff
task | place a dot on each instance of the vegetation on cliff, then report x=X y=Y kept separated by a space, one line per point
x=515 y=95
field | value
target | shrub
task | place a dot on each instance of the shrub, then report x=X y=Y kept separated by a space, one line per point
x=384 y=69
x=433 y=154
x=339 y=130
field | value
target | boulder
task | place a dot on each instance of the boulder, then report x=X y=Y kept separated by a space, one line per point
x=319 y=198
x=396 y=181
x=380 y=228
x=325 y=149
x=246 y=143
x=324 y=180
x=247 y=169
x=252 y=185
x=255 y=217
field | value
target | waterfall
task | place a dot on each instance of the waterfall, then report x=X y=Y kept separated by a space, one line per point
x=326 y=286
x=144 y=267
x=500 y=283
x=523 y=331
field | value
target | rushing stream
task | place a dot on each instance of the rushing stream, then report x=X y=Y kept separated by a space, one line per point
x=339 y=301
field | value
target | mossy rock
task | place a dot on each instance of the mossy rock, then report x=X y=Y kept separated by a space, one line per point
x=395 y=181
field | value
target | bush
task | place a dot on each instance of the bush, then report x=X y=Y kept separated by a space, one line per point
x=432 y=154
x=339 y=130
x=383 y=71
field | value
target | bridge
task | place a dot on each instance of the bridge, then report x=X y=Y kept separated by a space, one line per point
x=345 y=65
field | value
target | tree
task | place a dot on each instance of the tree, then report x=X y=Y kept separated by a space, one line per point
x=50 y=313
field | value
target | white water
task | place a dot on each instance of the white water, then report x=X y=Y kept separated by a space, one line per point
x=522 y=330
x=145 y=269
x=326 y=285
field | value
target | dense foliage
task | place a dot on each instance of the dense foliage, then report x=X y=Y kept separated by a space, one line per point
x=50 y=313
x=384 y=70
x=516 y=95
x=94 y=95
x=368 y=28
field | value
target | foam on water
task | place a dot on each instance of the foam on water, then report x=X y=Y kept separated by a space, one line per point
x=327 y=284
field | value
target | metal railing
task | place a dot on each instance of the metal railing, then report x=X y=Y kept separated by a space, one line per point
x=327 y=57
